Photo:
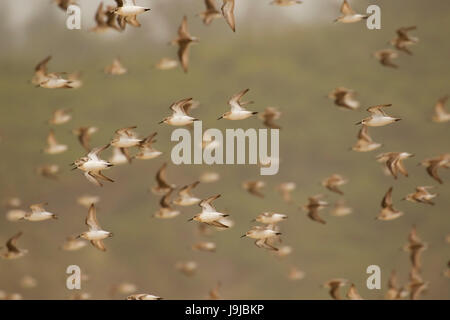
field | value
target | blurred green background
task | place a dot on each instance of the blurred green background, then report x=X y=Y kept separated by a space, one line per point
x=290 y=58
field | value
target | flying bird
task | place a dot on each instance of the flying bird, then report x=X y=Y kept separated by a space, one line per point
x=184 y=41
x=421 y=195
x=60 y=116
x=84 y=136
x=146 y=150
x=40 y=72
x=126 y=138
x=73 y=244
x=262 y=235
x=166 y=211
x=115 y=68
x=344 y=98
x=207 y=246
x=92 y=166
x=378 y=117
x=162 y=186
x=394 y=162
x=38 y=213
x=385 y=57
x=119 y=156
x=95 y=233
x=388 y=212
x=127 y=10
x=209 y=214
x=214 y=293
x=402 y=41
x=440 y=114
x=166 y=64
x=333 y=182
x=285 y=189
x=295 y=274
x=334 y=286
x=53 y=147
x=238 y=112
x=210 y=13
x=269 y=116
x=180 y=113
x=340 y=209
x=12 y=251
x=314 y=205
x=188 y=268
x=365 y=142
x=254 y=187
x=105 y=20
x=415 y=247
x=353 y=294
x=49 y=171
x=270 y=218
x=433 y=164
x=185 y=197
x=416 y=284
x=348 y=15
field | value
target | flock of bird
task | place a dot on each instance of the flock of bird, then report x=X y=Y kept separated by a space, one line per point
x=128 y=146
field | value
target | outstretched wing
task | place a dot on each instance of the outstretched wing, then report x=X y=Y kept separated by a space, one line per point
x=11 y=243
x=228 y=13
x=206 y=204
x=91 y=220
x=387 y=199
x=346 y=9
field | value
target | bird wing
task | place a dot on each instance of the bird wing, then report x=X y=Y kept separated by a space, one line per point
x=161 y=177
x=228 y=13
x=346 y=9
x=432 y=170
x=440 y=105
x=51 y=139
x=91 y=219
x=186 y=190
x=98 y=244
x=126 y=131
x=378 y=110
x=93 y=154
x=42 y=66
x=178 y=107
x=39 y=207
x=387 y=199
x=11 y=243
x=210 y=5
x=363 y=134
x=100 y=15
x=183 y=54
x=164 y=202
x=183 y=31
x=235 y=102
x=206 y=203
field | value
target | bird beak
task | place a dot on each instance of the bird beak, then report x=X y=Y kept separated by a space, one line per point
x=358 y=123
x=220 y=118
x=243 y=236
x=161 y=122
x=190 y=219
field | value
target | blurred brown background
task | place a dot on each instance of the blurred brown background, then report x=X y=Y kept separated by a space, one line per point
x=290 y=58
